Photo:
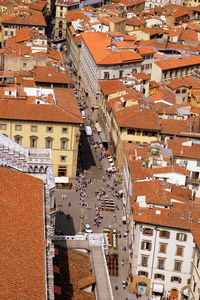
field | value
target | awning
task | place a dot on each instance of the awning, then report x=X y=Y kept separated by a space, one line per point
x=98 y=128
x=103 y=137
x=62 y=179
x=158 y=288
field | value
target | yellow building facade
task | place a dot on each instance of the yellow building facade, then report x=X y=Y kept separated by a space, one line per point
x=61 y=138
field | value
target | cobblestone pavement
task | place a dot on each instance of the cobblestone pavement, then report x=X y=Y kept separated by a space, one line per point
x=108 y=221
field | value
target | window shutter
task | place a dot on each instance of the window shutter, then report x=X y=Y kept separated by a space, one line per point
x=179 y=280
x=185 y=237
x=163 y=277
x=168 y=234
x=150 y=245
x=172 y=279
x=177 y=236
x=142 y=245
x=155 y=276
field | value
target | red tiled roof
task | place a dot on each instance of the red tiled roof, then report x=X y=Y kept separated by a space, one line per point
x=109 y=87
x=178 y=216
x=50 y=75
x=171 y=169
x=98 y=43
x=22 y=243
x=20 y=110
x=184 y=151
x=23 y=16
x=173 y=63
x=133 y=117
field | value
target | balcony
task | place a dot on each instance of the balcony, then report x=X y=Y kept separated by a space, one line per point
x=191 y=180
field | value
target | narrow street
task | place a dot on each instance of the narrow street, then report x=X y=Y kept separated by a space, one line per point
x=68 y=202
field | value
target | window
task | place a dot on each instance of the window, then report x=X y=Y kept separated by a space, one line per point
x=63 y=158
x=181 y=237
x=178 y=91
x=6 y=32
x=175 y=279
x=183 y=91
x=146 y=245
x=62 y=171
x=34 y=128
x=49 y=129
x=48 y=142
x=161 y=263
x=164 y=234
x=106 y=75
x=147 y=231
x=24 y=65
x=138 y=132
x=179 y=251
x=144 y=261
x=18 y=139
x=177 y=265
x=63 y=143
x=33 y=141
x=159 y=276
x=163 y=248
x=64 y=130
x=198 y=163
x=18 y=127
x=121 y=74
x=3 y=126
x=143 y=273
x=130 y=131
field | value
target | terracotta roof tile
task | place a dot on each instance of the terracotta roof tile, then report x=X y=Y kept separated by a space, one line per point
x=76 y=276
x=133 y=117
x=50 y=75
x=23 y=16
x=173 y=63
x=109 y=87
x=22 y=244
x=20 y=110
x=102 y=52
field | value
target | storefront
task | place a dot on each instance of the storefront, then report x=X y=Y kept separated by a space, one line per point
x=63 y=182
x=158 y=289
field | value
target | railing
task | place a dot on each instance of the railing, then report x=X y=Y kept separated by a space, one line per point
x=193 y=181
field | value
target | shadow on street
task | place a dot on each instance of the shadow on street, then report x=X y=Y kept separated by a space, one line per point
x=85 y=156
x=64 y=224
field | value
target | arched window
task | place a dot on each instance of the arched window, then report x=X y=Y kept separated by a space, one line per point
x=41 y=170
x=178 y=91
x=33 y=141
x=36 y=170
x=60 y=34
x=30 y=169
x=18 y=139
x=60 y=25
x=63 y=143
x=48 y=142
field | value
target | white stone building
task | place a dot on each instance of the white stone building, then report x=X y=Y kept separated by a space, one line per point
x=101 y=59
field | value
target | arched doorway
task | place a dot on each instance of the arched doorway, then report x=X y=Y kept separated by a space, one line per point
x=142 y=288
x=174 y=294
